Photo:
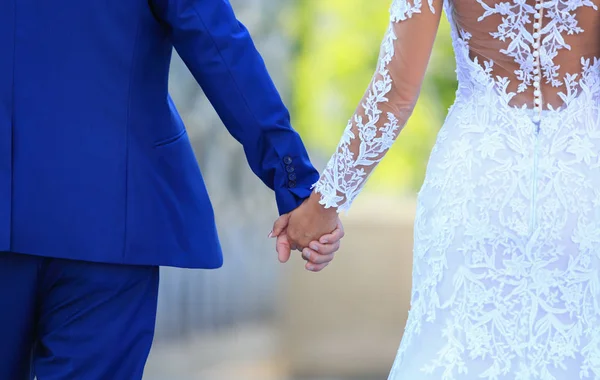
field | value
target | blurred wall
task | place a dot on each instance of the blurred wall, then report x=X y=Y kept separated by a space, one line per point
x=347 y=321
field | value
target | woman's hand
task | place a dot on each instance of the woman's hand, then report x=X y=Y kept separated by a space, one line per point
x=312 y=229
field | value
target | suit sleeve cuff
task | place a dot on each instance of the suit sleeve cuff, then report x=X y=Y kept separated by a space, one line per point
x=294 y=182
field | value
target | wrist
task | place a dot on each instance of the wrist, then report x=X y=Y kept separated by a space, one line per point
x=314 y=201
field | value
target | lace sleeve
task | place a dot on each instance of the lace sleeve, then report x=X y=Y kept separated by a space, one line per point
x=387 y=103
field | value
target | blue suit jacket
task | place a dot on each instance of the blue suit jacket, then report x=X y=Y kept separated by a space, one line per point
x=95 y=162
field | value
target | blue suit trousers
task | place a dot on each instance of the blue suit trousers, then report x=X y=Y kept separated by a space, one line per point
x=70 y=320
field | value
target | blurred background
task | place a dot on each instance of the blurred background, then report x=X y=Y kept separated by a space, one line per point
x=256 y=319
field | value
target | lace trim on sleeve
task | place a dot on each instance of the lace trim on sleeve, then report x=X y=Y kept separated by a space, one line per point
x=345 y=174
x=403 y=9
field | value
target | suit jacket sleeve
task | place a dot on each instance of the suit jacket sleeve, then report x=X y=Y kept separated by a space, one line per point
x=220 y=54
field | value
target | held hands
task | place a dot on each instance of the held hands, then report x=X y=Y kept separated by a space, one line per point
x=312 y=229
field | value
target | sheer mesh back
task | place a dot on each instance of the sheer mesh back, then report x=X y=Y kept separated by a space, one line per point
x=506 y=34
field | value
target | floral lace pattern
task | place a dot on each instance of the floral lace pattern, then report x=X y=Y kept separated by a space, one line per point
x=506 y=280
x=402 y=10
x=506 y=276
x=517 y=16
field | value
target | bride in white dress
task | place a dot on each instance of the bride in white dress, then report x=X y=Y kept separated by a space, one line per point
x=506 y=277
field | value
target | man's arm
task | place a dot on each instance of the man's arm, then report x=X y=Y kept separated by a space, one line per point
x=220 y=54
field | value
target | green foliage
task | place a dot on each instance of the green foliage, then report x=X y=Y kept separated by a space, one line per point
x=337 y=48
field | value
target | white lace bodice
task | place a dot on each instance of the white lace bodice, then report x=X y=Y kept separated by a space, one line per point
x=539 y=55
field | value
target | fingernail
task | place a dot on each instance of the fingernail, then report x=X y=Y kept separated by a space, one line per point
x=306 y=254
x=310 y=268
x=325 y=241
x=314 y=247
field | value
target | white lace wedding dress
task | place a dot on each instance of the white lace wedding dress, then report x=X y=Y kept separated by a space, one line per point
x=506 y=276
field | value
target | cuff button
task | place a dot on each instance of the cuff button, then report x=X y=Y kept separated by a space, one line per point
x=287 y=160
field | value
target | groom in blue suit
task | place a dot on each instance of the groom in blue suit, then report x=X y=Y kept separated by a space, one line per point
x=98 y=181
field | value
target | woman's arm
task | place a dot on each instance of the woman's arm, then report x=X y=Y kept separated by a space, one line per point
x=381 y=114
x=387 y=103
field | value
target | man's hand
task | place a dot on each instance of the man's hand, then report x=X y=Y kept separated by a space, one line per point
x=311 y=228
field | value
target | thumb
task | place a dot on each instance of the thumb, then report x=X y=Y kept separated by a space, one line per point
x=283 y=247
x=280 y=225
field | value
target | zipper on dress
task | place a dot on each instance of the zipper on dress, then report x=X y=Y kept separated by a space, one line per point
x=534 y=179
